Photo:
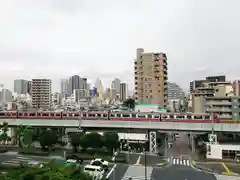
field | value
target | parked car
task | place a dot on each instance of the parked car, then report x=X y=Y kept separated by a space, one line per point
x=100 y=162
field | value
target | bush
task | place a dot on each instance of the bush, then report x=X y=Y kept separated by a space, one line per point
x=9 y=167
x=99 y=151
x=34 y=152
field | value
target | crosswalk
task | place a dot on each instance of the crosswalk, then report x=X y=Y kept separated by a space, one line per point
x=138 y=173
x=18 y=160
x=180 y=161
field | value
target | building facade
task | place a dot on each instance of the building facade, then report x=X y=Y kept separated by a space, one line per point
x=116 y=85
x=41 y=93
x=216 y=98
x=123 y=92
x=20 y=86
x=151 y=75
x=64 y=85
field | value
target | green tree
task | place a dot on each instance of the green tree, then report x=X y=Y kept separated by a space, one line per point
x=28 y=137
x=129 y=103
x=4 y=132
x=48 y=139
x=19 y=133
x=75 y=140
x=111 y=140
x=91 y=140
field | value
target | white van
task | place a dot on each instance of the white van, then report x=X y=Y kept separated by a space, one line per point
x=95 y=171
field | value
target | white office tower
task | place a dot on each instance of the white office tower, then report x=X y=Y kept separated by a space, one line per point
x=64 y=85
x=41 y=93
x=116 y=85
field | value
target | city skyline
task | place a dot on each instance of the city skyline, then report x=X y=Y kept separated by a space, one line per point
x=55 y=40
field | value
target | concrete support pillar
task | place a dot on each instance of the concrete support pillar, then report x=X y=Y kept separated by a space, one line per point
x=192 y=143
x=152 y=142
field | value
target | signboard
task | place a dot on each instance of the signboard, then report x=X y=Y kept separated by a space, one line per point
x=212 y=138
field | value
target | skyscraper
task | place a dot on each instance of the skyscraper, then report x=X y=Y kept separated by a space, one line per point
x=20 y=86
x=64 y=85
x=116 y=85
x=123 y=91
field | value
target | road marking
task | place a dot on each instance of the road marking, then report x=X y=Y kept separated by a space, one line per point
x=138 y=160
x=21 y=157
x=115 y=165
x=227 y=171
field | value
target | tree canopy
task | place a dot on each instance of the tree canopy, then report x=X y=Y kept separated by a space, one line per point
x=48 y=138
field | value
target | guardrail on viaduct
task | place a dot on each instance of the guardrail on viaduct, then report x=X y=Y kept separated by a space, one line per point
x=150 y=125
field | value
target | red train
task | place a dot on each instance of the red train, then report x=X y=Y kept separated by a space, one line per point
x=107 y=115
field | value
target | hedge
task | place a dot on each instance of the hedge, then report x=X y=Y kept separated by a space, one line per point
x=4 y=150
x=100 y=151
x=9 y=167
x=34 y=152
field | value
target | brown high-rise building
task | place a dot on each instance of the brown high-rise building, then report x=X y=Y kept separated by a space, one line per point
x=151 y=75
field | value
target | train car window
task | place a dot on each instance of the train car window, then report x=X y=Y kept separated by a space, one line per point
x=20 y=114
x=52 y=114
x=45 y=114
x=171 y=116
x=126 y=115
x=14 y=114
x=2 y=114
x=31 y=114
x=84 y=115
x=164 y=116
x=189 y=117
x=112 y=115
x=118 y=115
x=99 y=115
x=91 y=115
x=180 y=117
x=25 y=114
x=156 y=116
x=76 y=114
x=105 y=115
x=58 y=114
x=141 y=115
x=198 y=117
x=70 y=114
x=64 y=114
x=149 y=116
x=207 y=117
x=134 y=115
x=39 y=114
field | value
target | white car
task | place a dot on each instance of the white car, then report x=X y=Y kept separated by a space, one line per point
x=95 y=171
x=100 y=162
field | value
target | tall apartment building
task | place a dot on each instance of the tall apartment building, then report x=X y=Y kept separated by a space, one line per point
x=123 y=91
x=41 y=93
x=151 y=75
x=20 y=86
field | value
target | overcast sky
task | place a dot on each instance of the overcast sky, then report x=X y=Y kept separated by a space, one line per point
x=98 y=38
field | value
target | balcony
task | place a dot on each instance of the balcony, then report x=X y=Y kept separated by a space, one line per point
x=209 y=103
x=218 y=109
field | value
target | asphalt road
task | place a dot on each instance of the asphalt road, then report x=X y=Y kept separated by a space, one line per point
x=177 y=172
x=139 y=159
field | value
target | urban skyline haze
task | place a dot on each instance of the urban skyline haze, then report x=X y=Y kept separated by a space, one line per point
x=57 y=39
